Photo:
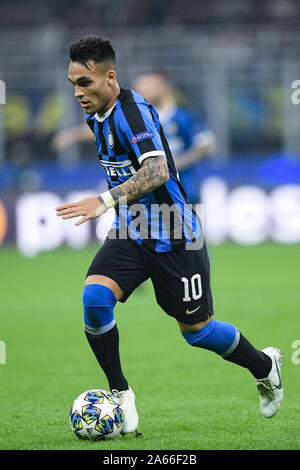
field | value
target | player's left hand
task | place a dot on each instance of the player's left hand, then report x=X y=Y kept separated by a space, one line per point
x=89 y=208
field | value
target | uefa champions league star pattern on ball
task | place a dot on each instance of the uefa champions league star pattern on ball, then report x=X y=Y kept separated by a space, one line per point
x=96 y=415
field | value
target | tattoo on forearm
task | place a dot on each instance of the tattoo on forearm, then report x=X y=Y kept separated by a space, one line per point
x=152 y=175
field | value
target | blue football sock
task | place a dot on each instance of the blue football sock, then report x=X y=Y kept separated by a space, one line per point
x=217 y=336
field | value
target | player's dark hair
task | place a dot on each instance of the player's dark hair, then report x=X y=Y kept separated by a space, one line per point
x=95 y=48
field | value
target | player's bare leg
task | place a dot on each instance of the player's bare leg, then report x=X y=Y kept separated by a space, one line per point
x=100 y=295
x=105 y=281
x=185 y=328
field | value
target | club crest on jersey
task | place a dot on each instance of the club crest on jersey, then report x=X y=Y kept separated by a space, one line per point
x=142 y=136
x=110 y=139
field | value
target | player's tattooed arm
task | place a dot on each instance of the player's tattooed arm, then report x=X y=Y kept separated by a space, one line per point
x=152 y=174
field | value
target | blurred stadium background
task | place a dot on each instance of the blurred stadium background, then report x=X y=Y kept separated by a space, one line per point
x=235 y=61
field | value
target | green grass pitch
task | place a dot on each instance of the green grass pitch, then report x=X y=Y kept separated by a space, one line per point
x=187 y=398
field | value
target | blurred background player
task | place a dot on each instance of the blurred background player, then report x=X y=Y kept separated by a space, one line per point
x=187 y=133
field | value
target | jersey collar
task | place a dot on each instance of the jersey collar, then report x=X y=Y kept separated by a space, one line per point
x=105 y=115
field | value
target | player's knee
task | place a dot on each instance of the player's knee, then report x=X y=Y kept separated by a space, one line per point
x=98 y=303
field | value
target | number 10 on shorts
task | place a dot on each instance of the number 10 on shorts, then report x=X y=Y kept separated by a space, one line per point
x=192 y=288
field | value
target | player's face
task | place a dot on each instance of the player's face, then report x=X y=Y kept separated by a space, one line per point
x=94 y=87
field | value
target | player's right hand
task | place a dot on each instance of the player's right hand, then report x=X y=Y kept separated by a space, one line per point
x=89 y=208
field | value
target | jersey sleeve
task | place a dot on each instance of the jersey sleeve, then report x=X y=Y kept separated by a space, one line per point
x=194 y=129
x=189 y=127
x=139 y=125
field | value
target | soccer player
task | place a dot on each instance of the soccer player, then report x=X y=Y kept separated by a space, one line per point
x=142 y=179
x=189 y=137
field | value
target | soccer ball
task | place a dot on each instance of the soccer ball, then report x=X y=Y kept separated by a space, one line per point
x=96 y=415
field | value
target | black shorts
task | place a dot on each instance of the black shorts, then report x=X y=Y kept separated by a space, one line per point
x=180 y=278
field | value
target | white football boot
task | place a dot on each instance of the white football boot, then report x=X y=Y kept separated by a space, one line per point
x=131 y=419
x=270 y=389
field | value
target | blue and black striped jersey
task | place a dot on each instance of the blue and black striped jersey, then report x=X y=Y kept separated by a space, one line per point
x=127 y=134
